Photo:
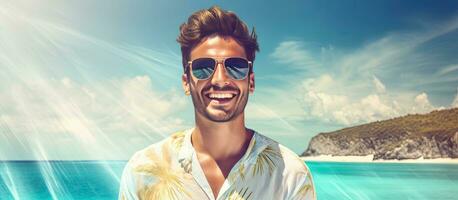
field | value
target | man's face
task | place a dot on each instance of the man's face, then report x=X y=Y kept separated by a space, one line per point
x=210 y=96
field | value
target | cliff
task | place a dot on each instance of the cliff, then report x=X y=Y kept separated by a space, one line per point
x=432 y=135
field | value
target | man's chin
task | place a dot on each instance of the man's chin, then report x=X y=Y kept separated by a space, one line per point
x=219 y=116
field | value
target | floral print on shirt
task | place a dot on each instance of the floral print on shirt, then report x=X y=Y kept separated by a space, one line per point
x=169 y=169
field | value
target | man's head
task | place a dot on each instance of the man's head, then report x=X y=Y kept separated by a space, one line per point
x=219 y=41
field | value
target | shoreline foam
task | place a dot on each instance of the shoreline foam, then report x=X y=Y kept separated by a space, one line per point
x=369 y=158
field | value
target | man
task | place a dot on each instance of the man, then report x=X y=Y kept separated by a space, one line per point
x=220 y=158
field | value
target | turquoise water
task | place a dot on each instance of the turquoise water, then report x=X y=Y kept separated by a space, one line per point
x=100 y=179
x=385 y=180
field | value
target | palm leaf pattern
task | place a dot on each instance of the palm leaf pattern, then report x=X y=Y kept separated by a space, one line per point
x=242 y=194
x=266 y=161
x=177 y=140
x=169 y=184
x=239 y=173
x=186 y=164
x=305 y=189
x=163 y=178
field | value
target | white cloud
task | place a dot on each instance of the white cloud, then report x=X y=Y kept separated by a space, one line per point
x=324 y=82
x=96 y=115
x=346 y=88
x=422 y=104
x=139 y=97
x=369 y=108
x=320 y=101
x=447 y=69
x=294 y=54
x=74 y=96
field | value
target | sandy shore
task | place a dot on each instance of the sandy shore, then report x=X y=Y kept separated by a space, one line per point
x=368 y=158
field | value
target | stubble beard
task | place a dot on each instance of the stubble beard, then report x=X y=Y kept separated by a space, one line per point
x=204 y=110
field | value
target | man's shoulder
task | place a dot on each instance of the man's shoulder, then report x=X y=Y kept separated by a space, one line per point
x=296 y=177
x=292 y=162
x=162 y=151
x=150 y=165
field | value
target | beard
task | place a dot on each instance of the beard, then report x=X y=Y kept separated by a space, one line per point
x=219 y=113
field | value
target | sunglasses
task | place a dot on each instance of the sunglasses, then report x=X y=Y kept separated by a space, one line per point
x=236 y=68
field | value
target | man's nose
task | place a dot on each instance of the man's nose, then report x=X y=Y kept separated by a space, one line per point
x=220 y=77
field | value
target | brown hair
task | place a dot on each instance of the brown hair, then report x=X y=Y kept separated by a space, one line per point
x=215 y=20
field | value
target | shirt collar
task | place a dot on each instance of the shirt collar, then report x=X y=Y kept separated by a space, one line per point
x=257 y=144
x=185 y=152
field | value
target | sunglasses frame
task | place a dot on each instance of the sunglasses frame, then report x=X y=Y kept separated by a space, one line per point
x=219 y=61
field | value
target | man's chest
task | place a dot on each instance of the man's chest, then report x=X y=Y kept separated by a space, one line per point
x=215 y=172
x=241 y=182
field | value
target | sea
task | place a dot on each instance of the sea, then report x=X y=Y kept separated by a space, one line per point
x=98 y=180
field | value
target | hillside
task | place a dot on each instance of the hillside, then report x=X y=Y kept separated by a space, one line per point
x=432 y=135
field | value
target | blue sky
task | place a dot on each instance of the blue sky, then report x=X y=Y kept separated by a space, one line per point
x=101 y=80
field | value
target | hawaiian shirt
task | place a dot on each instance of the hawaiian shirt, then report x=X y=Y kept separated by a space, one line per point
x=170 y=169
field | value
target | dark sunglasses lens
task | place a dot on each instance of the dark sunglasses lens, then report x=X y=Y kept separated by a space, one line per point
x=202 y=68
x=237 y=68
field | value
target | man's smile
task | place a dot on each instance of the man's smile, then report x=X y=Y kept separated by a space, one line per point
x=220 y=97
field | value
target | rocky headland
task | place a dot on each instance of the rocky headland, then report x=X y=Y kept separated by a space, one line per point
x=427 y=136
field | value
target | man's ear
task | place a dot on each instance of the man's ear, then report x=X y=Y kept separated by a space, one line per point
x=185 y=84
x=251 y=82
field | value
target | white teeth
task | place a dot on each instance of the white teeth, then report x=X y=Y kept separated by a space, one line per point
x=221 y=96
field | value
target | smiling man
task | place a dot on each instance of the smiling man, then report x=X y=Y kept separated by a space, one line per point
x=219 y=158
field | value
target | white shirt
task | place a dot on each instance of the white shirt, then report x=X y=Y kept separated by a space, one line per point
x=170 y=169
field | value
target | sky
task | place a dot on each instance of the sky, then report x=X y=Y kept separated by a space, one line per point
x=85 y=80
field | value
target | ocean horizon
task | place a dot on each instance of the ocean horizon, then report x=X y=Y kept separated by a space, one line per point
x=99 y=180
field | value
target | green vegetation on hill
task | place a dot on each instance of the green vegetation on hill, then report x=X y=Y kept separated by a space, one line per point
x=429 y=135
x=443 y=122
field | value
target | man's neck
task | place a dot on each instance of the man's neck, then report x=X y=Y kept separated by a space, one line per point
x=221 y=140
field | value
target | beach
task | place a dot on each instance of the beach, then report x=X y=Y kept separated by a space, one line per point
x=369 y=158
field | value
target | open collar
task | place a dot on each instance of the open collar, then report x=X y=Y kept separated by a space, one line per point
x=257 y=144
